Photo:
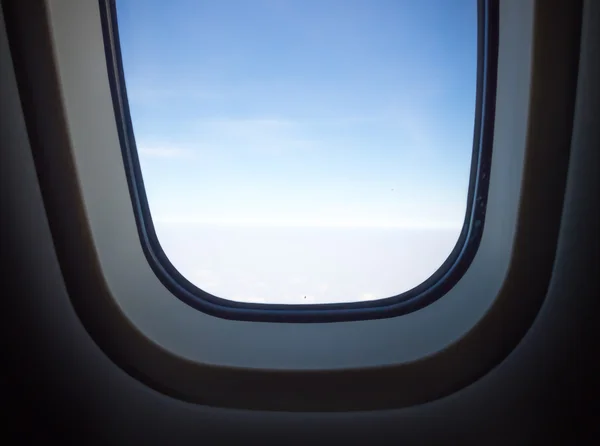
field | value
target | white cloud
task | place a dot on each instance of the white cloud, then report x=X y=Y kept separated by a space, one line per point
x=324 y=288
x=264 y=135
x=368 y=296
x=247 y=123
x=165 y=152
x=152 y=94
x=316 y=223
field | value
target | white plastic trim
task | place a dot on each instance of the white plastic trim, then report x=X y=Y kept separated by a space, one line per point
x=205 y=339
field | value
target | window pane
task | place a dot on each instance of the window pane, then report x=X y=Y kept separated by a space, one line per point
x=309 y=151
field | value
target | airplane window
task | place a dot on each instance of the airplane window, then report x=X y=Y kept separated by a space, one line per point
x=304 y=152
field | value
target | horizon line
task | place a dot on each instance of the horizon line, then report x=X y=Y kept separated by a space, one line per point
x=309 y=223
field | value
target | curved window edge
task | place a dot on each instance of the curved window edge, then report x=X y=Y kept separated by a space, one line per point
x=150 y=359
x=433 y=288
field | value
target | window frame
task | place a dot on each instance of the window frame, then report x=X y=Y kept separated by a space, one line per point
x=433 y=288
x=189 y=355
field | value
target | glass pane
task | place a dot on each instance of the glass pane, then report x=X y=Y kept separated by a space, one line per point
x=309 y=151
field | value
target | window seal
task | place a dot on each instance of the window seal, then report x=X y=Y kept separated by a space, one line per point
x=432 y=289
x=202 y=359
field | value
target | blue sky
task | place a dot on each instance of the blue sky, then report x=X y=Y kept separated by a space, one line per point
x=318 y=113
